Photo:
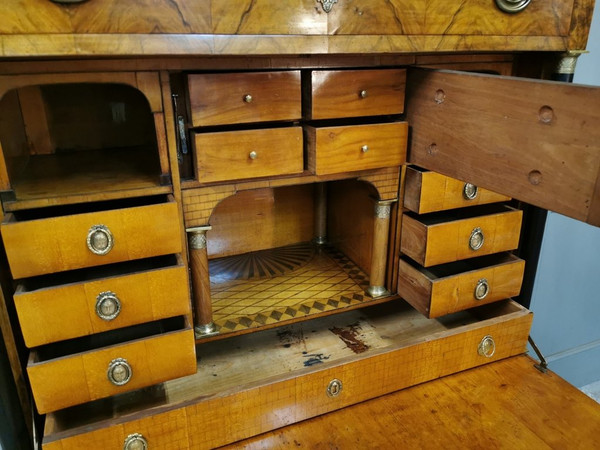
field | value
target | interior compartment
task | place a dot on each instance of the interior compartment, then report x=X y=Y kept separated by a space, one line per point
x=265 y=266
x=63 y=141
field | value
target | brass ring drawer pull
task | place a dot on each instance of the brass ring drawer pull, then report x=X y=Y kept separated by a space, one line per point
x=100 y=240
x=135 y=441
x=248 y=98
x=470 y=191
x=364 y=148
x=487 y=346
x=119 y=372
x=482 y=289
x=476 y=239
x=108 y=305
x=512 y=6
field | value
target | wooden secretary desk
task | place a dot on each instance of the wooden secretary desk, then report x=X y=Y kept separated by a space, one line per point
x=224 y=217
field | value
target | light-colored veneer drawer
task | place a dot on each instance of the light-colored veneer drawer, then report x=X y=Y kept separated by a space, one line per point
x=230 y=98
x=235 y=155
x=350 y=148
x=354 y=93
x=73 y=304
x=85 y=369
x=456 y=286
x=53 y=240
x=438 y=238
x=428 y=191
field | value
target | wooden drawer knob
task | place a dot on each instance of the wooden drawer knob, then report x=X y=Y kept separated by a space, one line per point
x=487 y=347
x=512 y=6
x=108 y=305
x=476 y=239
x=482 y=289
x=135 y=441
x=119 y=372
x=100 y=240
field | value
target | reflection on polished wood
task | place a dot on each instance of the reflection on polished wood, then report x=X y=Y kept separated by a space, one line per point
x=509 y=404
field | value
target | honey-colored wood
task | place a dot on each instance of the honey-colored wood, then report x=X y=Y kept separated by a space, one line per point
x=337 y=93
x=431 y=240
x=428 y=191
x=260 y=219
x=446 y=289
x=235 y=155
x=55 y=244
x=581 y=20
x=509 y=404
x=340 y=148
x=82 y=377
x=217 y=99
x=390 y=348
x=58 y=312
x=381 y=231
x=557 y=172
x=199 y=274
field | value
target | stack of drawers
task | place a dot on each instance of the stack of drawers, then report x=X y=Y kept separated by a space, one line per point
x=102 y=298
x=454 y=245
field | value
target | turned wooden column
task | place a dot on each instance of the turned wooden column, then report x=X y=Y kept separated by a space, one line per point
x=320 y=213
x=379 y=251
x=201 y=302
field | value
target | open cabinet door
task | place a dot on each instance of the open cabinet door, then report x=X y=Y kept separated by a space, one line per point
x=537 y=141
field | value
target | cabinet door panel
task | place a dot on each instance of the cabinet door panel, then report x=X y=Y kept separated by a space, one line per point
x=536 y=141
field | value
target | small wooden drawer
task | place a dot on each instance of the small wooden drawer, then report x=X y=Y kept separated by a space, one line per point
x=334 y=94
x=457 y=286
x=355 y=147
x=53 y=240
x=428 y=191
x=438 y=238
x=57 y=307
x=220 y=99
x=235 y=155
x=78 y=371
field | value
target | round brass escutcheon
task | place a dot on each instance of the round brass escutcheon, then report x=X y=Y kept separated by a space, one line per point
x=476 y=239
x=253 y=155
x=135 y=441
x=119 y=372
x=99 y=239
x=364 y=148
x=108 y=305
x=512 y=6
x=482 y=289
x=487 y=347
x=334 y=388
x=546 y=114
x=470 y=191
x=440 y=96
x=535 y=177
x=248 y=98
x=363 y=94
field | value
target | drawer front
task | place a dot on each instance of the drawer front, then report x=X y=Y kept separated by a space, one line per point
x=427 y=192
x=435 y=295
x=41 y=246
x=237 y=155
x=219 y=99
x=83 y=377
x=78 y=309
x=355 y=93
x=356 y=147
x=455 y=240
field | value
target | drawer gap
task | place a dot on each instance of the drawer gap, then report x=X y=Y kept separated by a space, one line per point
x=106 y=339
x=453 y=268
x=458 y=214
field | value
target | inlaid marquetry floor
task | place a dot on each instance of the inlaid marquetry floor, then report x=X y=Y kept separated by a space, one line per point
x=268 y=286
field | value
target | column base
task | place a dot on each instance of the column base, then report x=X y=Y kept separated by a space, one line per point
x=209 y=329
x=378 y=291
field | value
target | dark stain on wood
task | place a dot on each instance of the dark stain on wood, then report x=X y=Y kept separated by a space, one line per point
x=290 y=336
x=350 y=335
x=315 y=358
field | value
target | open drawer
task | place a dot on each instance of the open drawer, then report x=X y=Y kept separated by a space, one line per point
x=85 y=369
x=295 y=372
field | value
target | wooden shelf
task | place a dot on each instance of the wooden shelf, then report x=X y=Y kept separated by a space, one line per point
x=85 y=176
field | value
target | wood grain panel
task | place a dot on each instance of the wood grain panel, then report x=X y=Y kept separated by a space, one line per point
x=339 y=148
x=510 y=141
x=337 y=93
x=51 y=314
x=436 y=293
x=428 y=191
x=225 y=156
x=55 y=244
x=79 y=378
x=217 y=99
